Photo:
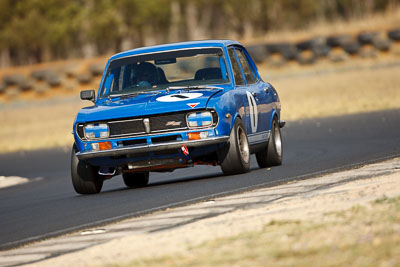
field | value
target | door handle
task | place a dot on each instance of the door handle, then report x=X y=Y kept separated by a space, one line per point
x=254 y=94
x=266 y=90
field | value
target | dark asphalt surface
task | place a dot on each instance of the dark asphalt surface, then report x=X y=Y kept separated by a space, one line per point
x=48 y=205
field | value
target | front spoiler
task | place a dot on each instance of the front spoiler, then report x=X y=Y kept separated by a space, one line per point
x=151 y=147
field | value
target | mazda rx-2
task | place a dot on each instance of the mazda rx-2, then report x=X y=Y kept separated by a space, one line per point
x=172 y=106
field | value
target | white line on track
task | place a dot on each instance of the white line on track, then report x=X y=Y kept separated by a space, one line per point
x=7 y=181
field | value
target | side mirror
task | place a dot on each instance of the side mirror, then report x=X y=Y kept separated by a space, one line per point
x=88 y=95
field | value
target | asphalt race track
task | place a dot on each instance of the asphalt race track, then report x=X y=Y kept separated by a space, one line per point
x=48 y=206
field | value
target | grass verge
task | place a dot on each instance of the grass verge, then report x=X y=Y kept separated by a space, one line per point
x=37 y=126
x=361 y=236
x=346 y=89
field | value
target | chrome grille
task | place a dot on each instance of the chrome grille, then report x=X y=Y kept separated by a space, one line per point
x=126 y=127
x=169 y=122
x=135 y=126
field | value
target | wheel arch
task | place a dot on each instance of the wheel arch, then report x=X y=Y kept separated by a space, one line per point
x=274 y=114
x=234 y=118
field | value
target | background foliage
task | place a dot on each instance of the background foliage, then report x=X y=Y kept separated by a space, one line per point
x=33 y=31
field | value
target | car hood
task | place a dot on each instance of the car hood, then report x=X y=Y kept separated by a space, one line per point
x=148 y=104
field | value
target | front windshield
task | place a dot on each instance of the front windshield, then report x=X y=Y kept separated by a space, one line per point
x=157 y=71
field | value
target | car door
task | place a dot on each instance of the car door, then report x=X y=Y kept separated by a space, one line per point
x=242 y=93
x=259 y=111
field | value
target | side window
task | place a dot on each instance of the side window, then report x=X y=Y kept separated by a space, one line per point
x=235 y=67
x=251 y=64
x=248 y=73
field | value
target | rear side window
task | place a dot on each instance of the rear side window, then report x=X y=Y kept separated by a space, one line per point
x=235 y=67
x=248 y=73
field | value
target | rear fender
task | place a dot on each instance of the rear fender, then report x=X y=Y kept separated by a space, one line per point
x=274 y=113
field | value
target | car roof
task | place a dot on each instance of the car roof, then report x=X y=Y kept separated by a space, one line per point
x=175 y=46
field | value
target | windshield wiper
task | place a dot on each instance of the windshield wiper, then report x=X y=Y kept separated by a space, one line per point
x=134 y=94
x=193 y=87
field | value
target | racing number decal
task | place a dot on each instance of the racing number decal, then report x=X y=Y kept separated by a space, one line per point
x=253 y=112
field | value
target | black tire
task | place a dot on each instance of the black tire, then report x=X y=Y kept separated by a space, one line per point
x=394 y=34
x=3 y=87
x=19 y=80
x=287 y=50
x=274 y=48
x=352 y=48
x=84 y=176
x=84 y=78
x=317 y=45
x=41 y=75
x=305 y=45
x=138 y=179
x=235 y=157
x=272 y=154
x=367 y=37
x=70 y=71
x=97 y=69
x=53 y=79
x=338 y=40
x=26 y=85
x=258 y=53
x=322 y=50
x=14 y=79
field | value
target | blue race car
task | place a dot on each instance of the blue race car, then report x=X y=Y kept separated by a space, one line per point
x=173 y=106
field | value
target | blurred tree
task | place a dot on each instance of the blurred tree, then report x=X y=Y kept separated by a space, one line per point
x=40 y=30
x=64 y=28
x=26 y=30
x=6 y=13
x=104 y=26
x=143 y=17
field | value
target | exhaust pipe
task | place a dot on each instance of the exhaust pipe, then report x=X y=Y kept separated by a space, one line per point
x=107 y=171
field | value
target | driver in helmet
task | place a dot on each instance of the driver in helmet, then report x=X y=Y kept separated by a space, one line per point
x=147 y=74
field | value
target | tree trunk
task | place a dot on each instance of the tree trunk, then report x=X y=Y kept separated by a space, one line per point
x=175 y=21
x=194 y=32
x=89 y=50
x=5 y=59
x=205 y=20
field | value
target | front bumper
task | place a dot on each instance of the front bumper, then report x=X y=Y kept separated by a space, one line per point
x=151 y=147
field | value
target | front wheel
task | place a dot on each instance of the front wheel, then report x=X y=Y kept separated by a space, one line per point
x=272 y=154
x=84 y=176
x=235 y=157
x=138 y=179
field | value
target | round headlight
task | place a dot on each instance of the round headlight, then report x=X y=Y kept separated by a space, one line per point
x=96 y=130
